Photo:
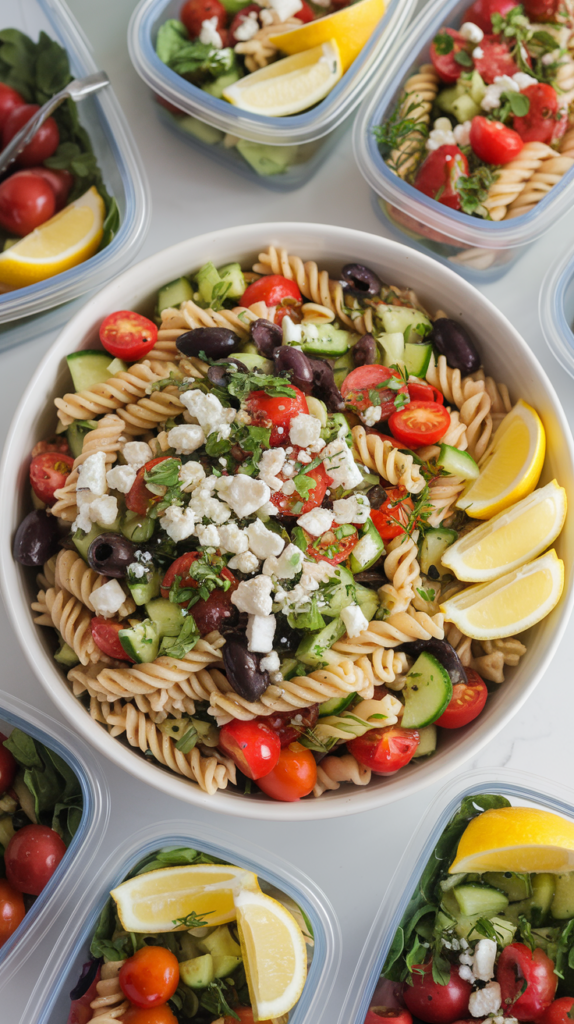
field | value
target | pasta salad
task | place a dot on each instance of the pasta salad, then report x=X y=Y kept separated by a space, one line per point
x=290 y=536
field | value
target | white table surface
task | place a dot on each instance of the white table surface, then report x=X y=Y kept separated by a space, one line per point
x=350 y=859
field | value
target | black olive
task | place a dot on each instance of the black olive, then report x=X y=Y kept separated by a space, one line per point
x=371 y=578
x=110 y=554
x=243 y=671
x=36 y=538
x=267 y=336
x=360 y=281
x=288 y=358
x=377 y=496
x=443 y=652
x=453 y=341
x=324 y=386
x=88 y=975
x=365 y=351
x=214 y=342
x=218 y=373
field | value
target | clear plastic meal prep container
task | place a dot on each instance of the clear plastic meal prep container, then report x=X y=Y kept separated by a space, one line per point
x=556 y=310
x=119 y=161
x=50 y=1000
x=481 y=250
x=286 y=150
x=82 y=850
x=519 y=787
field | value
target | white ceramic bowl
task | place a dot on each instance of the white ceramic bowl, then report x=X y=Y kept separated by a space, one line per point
x=506 y=357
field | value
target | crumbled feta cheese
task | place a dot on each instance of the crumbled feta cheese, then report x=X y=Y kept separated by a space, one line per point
x=289 y=469
x=478 y=52
x=270 y=464
x=296 y=600
x=317 y=521
x=317 y=446
x=340 y=465
x=285 y=8
x=208 y=536
x=104 y=510
x=205 y=507
x=191 y=475
x=121 y=478
x=271 y=663
x=466 y=974
x=208 y=411
x=243 y=494
x=471 y=32
x=483 y=960
x=232 y=539
x=92 y=475
x=209 y=34
x=178 y=522
x=186 y=438
x=260 y=633
x=441 y=134
x=354 y=620
x=107 y=600
x=288 y=487
x=523 y=80
x=315 y=573
x=504 y=83
x=137 y=570
x=254 y=596
x=305 y=458
x=485 y=1000
x=246 y=561
x=264 y=542
x=292 y=334
x=461 y=133
x=304 y=429
x=243 y=417
x=355 y=509
x=466 y=958
x=286 y=566
x=137 y=453
x=373 y=414
x=268 y=509
x=247 y=28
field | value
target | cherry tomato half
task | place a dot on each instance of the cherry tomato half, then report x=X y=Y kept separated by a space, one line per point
x=32 y=856
x=394 y=511
x=467 y=701
x=480 y=13
x=276 y=413
x=12 y=910
x=396 y=1014
x=443 y=53
x=253 y=746
x=155 y=1015
x=271 y=290
x=542 y=10
x=541 y=121
x=368 y=382
x=496 y=60
x=386 y=750
x=9 y=100
x=44 y=143
x=420 y=391
x=288 y=725
x=493 y=142
x=59 y=181
x=438 y=174
x=128 y=335
x=208 y=614
x=420 y=423
x=433 y=1003
x=518 y=964
x=139 y=498
x=26 y=201
x=330 y=548
x=8 y=766
x=294 y=775
x=55 y=443
x=48 y=472
x=558 y=1011
x=290 y=504
x=150 y=977
x=105 y=636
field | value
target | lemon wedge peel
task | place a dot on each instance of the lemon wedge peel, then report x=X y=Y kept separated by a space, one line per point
x=152 y=902
x=511 y=538
x=510 y=604
x=516 y=839
x=351 y=27
x=274 y=954
x=511 y=466
x=290 y=85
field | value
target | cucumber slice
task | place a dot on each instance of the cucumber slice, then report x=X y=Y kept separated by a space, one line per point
x=137 y=528
x=91 y=367
x=336 y=705
x=480 y=899
x=312 y=648
x=142 y=592
x=253 y=360
x=197 y=973
x=173 y=294
x=464 y=108
x=76 y=433
x=168 y=618
x=427 y=741
x=221 y=943
x=217 y=87
x=515 y=886
x=325 y=340
x=432 y=548
x=368 y=601
x=207 y=278
x=342 y=594
x=225 y=965
x=562 y=906
x=232 y=272
x=368 y=550
x=141 y=642
x=66 y=656
x=398 y=318
x=204 y=132
x=457 y=463
x=393 y=344
x=428 y=689
x=417 y=358
x=447 y=97
x=318 y=409
x=267 y=160
x=543 y=889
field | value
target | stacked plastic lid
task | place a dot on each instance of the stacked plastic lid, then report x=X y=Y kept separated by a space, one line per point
x=556 y=309
x=291 y=152
x=74 y=866
x=481 y=250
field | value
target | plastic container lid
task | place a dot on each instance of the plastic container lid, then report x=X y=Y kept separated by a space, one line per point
x=451 y=224
x=117 y=156
x=82 y=850
x=556 y=310
x=278 y=131
x=520 y=787
x=50 y=1000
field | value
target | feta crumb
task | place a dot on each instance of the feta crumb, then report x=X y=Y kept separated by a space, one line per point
x=292 y=334
x=466 y=974
x=178 y=523
x=264 y=542
x=254 y=596
x=243 y=494
x=271 y=663
x=289 y=469
x=208 y=411
x=232 y=539
x=471 y=32
x=107 y=600
x=286 y=566
x=355 y=509
x=247 y=28
x=92 y=475
x=204 y=506
x=121 y=478
x=270 y=464
x=354 y=620
x=208 y=536
x=260 y=633
x=477 y=53
x=209 y=34
x=191 y=475
x=485 y=1000
x=137 y=570
x=461 y=133
x=317 y=521
x=340 y=465
x=104 y=510
x=288 y=487
x=372 y=415
x=304 y=429
x=483 y=960
x=285 y=8
x=137 y=453
x=318 y=572
x=246 y=561
x=186 y=438
x=440 y=136
x=523 y=80
x=317 y=446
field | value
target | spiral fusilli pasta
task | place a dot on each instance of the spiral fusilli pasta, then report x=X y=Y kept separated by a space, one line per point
x=511 y=180
x=74 y=576
x=392 y=464
x=105 y=437
x=110 y=395
x=110 y=1003
x=416 y=103
x=333 y=771
x=71 y=618
x=402 y=569
x=548 y=174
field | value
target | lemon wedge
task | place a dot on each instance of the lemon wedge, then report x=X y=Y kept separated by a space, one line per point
x=64 y=241
x=274 y=954
x=516 y=839
x=289 y=85
x=351 y=28
x=510 y=467
x=511 y=604
x=154 y=901
x=511 y=538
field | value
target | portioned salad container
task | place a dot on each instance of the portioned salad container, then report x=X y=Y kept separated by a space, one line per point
x=57 y=893
x=50 y=1000
x=556 y=310
x=281 y=153
x=479 y=249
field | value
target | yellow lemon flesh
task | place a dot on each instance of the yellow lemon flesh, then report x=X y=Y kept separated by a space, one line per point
x=511 y=538
x=510 y=467
x=516 y=839
x=154 y=901
x=511 y=604
x=290 y=85
x=64 y=241
x=274 y=954
x=351 y=28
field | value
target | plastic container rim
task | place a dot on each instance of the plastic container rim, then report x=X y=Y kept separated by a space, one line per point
x=556 y=330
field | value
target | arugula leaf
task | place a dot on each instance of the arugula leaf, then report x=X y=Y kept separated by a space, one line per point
x=440 y=970
x=164 y=474
x=240 y=385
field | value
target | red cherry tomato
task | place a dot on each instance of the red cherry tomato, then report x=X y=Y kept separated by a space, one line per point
x=253 y=746
x=44 y=143
x=208 y=614
x=480 y=13
x=32 y=856
x=493 y=142
x=150 y=977
x=9 y=100
x=155 y=1015
x=358 y=386
x=288 y=725
x=245 y=1014
x=48 y=472
x=420 y=423
x=518 y=964
x=139 y=499
x=305 y=13
x=419 y=391
x=542 y=10
x=466 y=703
x=330 y=548
x=443 y=54
x=12 y=910
x=105 y=636
x=496 y=59
x=59 y=181
x=294 y=775
x=271 y=290
x=128 y=335
x=558 y=1011
x=25 y=202
x=393 y=512
x=195 y=12
x=276 y=413
x=433 y=1003
x=543 y=118
x=56 y=443
x=290 y=504
x=8 y=766
x=438 y=174
x=239 y=19
x=396 y=1014
x=386 y=750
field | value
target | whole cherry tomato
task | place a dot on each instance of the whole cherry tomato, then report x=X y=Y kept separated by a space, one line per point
x=420 y=423
x=49 y=472
x=393 y=514
x=496 y=59
x=444 y=48
x=385 y=750
x=277 y=413
x=155 y=1015
x=253 y=746
x=294 y=775
x=543 y=118
x=12 y=910
x=56 y=443
x=44 y=143
x=434 y=1003
x=272 y=290
x=366 y=383
x=493 y=142
x=8 y=766
x=395 y=1014
x=330 y=547
x=518 y=964
x=32 y=856
x=105 y=636
x=467 y=701
x=208 y=613
x=128 y=335
x=9 y=100
x=542 y=10
x=438 y=174
x=59 y=181
x=195 y=12
x=26 y=201
x=150 y=977
x=480 y=13
x=288 y=725
x=139 y=498
x=296 y=504
x=558 y=1011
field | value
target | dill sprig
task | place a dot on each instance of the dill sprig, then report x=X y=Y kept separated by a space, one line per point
x=400 y=126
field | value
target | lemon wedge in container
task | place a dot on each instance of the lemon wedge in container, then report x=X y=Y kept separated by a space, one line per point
x=510 y=467
x=351 y=28
x=274 y=954
x=290 y=85
x=516 y=839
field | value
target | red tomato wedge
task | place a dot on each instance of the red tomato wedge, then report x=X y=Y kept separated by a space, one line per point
x=518 y=964
x=493 y=142
x=294 y=775
x=420 y=423
x=467 y=701
x=128 y=335
x=438 y=174
x=330 y=547
x=297 y=504
x=480 y=13
x=392 y=513
x=420 y=391
x=12 y=910
x=368 y=385
x=445 y=46
x=139 y=498
x=272 y=290
x=558 y=1011
x=277 y=413
x=208 y=613
x=542 y=120
x=105 y=635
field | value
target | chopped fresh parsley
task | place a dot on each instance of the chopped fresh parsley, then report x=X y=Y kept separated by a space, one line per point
x=206 y=572
x=178 y=646
x=473 y=188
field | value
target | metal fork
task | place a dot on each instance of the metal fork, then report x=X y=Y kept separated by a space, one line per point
x=75 y=90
